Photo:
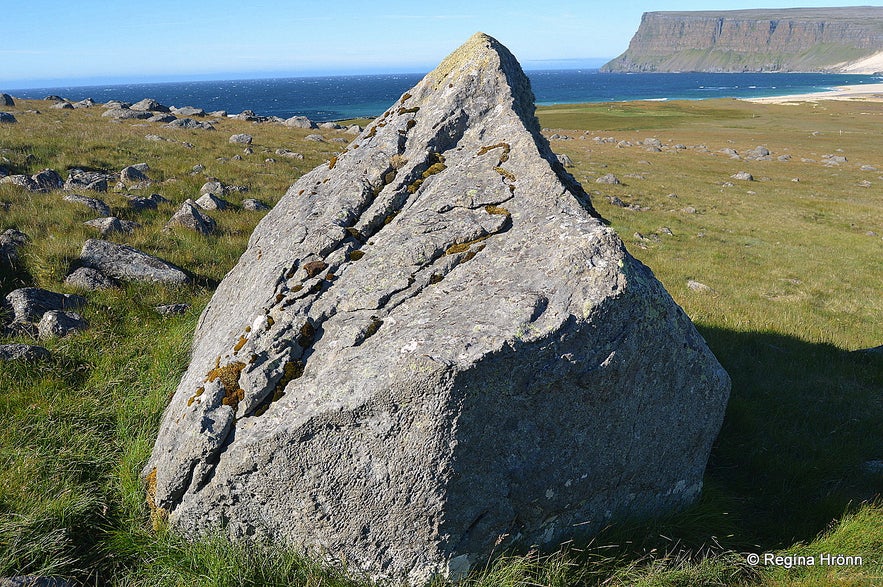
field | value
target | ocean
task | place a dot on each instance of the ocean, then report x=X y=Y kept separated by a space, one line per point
x=342 y=97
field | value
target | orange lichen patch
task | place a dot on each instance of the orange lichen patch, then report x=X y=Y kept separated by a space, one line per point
x=239 y=344
x=332 y=163
x=329 y=277
x=295 y=289
x=436 y=278
x=291 y=371
x=279 y=297
x=413 y=110
x=410 y=124
x=506 y=174
x=270 y=320
x=405 y=97
x=389 y=177
x=498 y=210
x=390 y=218
x=504 y=146
x=437 y=166
x=356 y=255
x=159 y=517
x=229 y=378
x=463 y=247
x=192 y=398
x=314 y=268
x=353 y=232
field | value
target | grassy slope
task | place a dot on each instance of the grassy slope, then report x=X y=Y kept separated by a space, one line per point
x=796 y=282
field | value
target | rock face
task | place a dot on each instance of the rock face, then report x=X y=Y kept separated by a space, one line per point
x=796 y=39
x=432 y=342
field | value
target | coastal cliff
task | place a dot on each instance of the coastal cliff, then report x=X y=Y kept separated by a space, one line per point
x=784 y=40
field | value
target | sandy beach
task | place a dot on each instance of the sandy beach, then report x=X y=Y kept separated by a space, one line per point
x=863 y=92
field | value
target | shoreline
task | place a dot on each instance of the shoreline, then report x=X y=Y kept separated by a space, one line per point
x=861 y=92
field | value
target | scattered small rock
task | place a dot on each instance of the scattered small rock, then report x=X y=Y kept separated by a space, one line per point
x=330 y=126
x=289 y=154
x=111 y=224
x=22 y=181
x=123 y=114
x=162 y=118
x=149 y=105
x=79 y=179
x=254 y=205
x=65 y=105
x=89 y=279
x=10 y=242
x=30 y=303
x=299 y=122
x=191 y=111
x=697 y=286
x=29 y=353
x=98 y=206
x=57 y=323
x=212 y=202
x=743 y=176
x=784 y=158
x=133 y=174
x=689 y=210
x=241 y=139
x=191 y=124
x=864 y=184
x=616 y=201
x=733 y=153
x=172 y=309
x=188 y=216
x=666 y=231
x=315 y=138
x=7 y=118
x=652 y=142
x=608 y=179
x=565 y=160
x=868 y=168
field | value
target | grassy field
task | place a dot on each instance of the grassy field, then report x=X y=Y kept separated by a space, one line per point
x=793 y=276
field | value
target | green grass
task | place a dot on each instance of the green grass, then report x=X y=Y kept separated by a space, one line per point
x=796 y=283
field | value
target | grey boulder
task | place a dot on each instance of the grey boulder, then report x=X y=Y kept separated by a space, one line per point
x=7 y=118
x=6 y=100
x=89 y=279
x=111 y=224
x=241 y=139
x=188 y=216
x=22 y=352
x=48 y=180
x=10 y=242
x=433 y=348
x=79 y=179
x=253 y=205
x=149 y=105
x=28 y=304
x=56 y=323
x=210 y=201
x=22 y=181
x=94 y=204
x=299 y=122
x=125 y=114
x=129 y=264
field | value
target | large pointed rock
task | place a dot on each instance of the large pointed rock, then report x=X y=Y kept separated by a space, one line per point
x=431 y=346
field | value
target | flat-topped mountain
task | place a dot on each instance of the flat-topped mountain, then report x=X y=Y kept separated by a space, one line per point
x=847 y=40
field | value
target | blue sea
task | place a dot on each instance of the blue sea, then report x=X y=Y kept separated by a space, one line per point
x=341 y=97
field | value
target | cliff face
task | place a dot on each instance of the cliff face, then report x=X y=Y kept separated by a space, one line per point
x=799 y=39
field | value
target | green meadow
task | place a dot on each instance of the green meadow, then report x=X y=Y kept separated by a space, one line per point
x=783 y=275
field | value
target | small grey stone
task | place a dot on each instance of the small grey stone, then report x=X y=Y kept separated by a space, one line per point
x=218 y=114
x=254 y=205
x=112 y=104
x=330 y=126
x=57 y=323
x=149 y=105
x=92 y=203
x=241 y=139
x=132 y=174
x=189 y=123
x=79 y=179
x=10 y=242
x=653 y=143
x=28 y=304
x=616 y=201
x=784 y=158
x=834 y=159
x=868 y=168
x=698 y=286
x=7 y=118
x=87 y=103
x=110 y=224
x=156 y=138
x=172 y=309
x=666 y=231
x=6 y=100
x=162 y=118
x=62 y=106
x=743 y=175
x=212 y=187
x=29 y=353
x=48 y=180
x=188 y=216
x=315 y=138
x=129 y=264
x=690 y=210
x=299 y=122
x=733 y=153
x=126 y=114
x=22 y=181
x=289 y=154
x=565 y=160
x=212 y=202
x=89 y=279
x=609 y=179
x=191 y=111
x=354 y=129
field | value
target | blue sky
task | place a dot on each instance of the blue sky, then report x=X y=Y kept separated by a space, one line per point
x=47 y=42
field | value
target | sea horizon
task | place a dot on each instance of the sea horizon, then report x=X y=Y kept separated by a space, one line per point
x=340 y=97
